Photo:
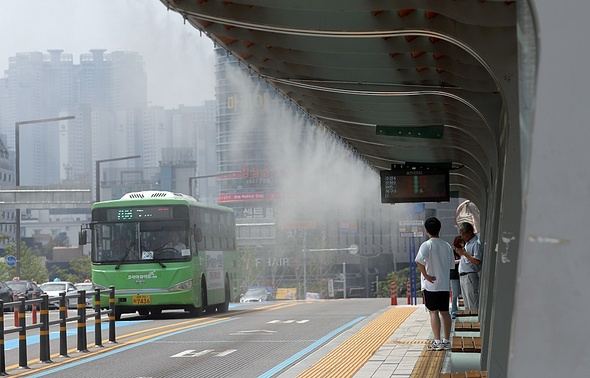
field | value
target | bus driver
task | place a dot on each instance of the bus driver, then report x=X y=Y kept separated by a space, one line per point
x=175 y=242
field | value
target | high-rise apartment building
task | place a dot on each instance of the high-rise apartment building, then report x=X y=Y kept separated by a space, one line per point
x=194 y=127
x=191 y=131
x=245 y=133
x=106 y=92
x=7 y=216
x=37 y=86
x=113 y=88
x=154 y=135
x=206 y=189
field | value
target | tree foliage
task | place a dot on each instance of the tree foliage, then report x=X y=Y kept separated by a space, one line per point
x=79 y=270
x=32 y=267
x=249 y=268
x=400 y=278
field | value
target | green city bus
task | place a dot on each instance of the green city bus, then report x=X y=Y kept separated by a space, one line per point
x=163 y=250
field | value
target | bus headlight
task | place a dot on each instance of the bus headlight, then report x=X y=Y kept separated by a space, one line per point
x=185 y=285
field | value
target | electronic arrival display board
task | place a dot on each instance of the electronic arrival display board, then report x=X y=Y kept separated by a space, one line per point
x=415 y=183
x=139 y=213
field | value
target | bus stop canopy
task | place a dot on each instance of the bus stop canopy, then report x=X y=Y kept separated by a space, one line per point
x=419 y=81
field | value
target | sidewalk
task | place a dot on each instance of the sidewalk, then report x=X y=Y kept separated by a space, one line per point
x=399 y=355
x=392 y=343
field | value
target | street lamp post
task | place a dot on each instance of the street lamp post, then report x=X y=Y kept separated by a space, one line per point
x=17 y=126
x=191 y=179
x=97 y=168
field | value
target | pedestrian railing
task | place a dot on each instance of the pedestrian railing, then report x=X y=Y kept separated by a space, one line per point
x=19 y=307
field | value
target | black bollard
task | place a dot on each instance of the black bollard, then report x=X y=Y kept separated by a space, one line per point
x=82 y=342
x=97 y=321
x=112 y=309
x=44 y=349
x=22 y=335
x=63 y=321
x=2 y=348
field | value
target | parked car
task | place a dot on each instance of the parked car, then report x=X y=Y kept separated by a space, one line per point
x=87 y=287
x=255 y=295
x=6 y=293
x=27 y=288
x=53 y=289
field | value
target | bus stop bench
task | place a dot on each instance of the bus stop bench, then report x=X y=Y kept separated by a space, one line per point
x=465 y=374
x=466 y=344
x=467 y=326
x=466 y=313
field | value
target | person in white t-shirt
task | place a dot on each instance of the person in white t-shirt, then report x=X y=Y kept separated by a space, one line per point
x=435 y=259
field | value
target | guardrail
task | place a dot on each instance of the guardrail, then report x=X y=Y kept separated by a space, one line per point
x=44 y=325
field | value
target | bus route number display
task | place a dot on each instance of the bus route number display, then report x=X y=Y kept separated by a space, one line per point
x=414 y=185
x=139 y=213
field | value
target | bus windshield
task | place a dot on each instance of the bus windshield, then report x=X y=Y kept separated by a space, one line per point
x=141 y=242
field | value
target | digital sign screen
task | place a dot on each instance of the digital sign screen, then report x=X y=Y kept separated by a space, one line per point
x=139 y=213
x=403 y=184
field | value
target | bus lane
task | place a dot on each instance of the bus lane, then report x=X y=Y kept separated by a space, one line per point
x=249 y=340
x=131 y=330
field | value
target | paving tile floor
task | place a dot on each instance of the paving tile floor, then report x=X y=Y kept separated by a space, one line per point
x=399 y=354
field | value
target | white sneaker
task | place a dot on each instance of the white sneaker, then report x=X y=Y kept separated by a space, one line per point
x=436 y=346
x=446 y=345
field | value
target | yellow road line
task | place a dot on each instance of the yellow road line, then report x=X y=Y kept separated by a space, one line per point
x=283 y=305
x=352 y=354
x=108 y=347
x=188 y=324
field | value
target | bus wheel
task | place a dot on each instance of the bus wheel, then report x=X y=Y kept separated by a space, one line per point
x=195 y=311
x=144 y=312
x=118 y=313
x=223 y=307
x=210 y=309
x=204 y=295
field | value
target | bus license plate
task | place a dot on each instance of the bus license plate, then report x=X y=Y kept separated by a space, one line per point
x=141 y=300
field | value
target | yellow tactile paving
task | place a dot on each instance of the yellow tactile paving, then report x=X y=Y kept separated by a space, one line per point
x=429 y=364
x=351 y=355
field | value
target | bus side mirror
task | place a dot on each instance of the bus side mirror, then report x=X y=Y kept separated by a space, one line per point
x=82 y=237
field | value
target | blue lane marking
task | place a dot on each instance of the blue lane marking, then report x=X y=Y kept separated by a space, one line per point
x=122 y=349
x=309 y=349
x=34 y=339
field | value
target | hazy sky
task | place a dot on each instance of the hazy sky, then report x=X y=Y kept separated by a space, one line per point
x=178 y=61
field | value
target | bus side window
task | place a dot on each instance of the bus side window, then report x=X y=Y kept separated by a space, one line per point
x=200 y=244
x=198 y=235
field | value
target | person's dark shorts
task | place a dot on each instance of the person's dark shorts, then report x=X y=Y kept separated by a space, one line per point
x=436 y=300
